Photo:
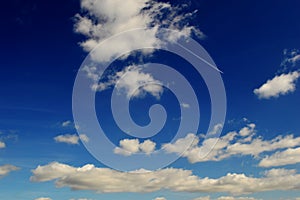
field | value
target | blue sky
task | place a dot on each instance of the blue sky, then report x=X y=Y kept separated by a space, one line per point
x=256 y=46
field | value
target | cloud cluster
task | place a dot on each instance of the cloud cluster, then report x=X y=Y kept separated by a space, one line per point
x=242 y=142
x=71 y=138
x=6 y=169
x=106 y=180
x=279 y=85
x=133 y=146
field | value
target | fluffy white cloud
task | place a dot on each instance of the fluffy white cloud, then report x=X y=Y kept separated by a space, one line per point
x=71 y=138
x=43 y=198
x=279 y=85
x=6 y=169
x=133 y=146
x=106 y=180
x=233 y=143
x=2 y=145
x=105 y=18
x=132 y=81
x=286 y=157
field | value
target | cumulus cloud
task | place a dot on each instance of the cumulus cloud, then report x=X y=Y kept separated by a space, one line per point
x=133 y=146
x=6 y=169
x=2 y=145
x=286 y=157
x=104 y=18
x=133 y=82
x=106 y=180
x=242 y=142
x=71 y=138
x=279 y=85
x=43 y=198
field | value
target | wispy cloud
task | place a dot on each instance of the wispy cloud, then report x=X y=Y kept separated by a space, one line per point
x=6 y=169
x=71 y=138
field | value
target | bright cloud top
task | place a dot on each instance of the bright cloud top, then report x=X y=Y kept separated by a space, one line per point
x=226 y=198
x=106 y=180
x=104 y=18
x=279 y=85
x=71 y=138
x=133 y=146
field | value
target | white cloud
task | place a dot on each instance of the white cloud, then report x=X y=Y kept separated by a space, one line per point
x=133 y=146
x=2 y=145
x=286 y=157
x=226 y=198
x=160 y=198
x=6 y=169
x=105 y=180
x=43 y=198
x=185 y=105
x=71 y=138
x=295 y=59
x=279 y=85
x=233 y=143
x=133 y=82
x=203 y=198
x=66 y=123
x=105 y=18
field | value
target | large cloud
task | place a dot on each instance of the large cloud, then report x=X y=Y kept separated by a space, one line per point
x=6 y=169
x=242 y=142
x=102 y=19
x=106 y=180
x=279 y=85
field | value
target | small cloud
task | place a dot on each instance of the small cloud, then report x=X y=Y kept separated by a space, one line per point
x=160 y=198
x=129 y=147
x=2 y=145
x=66 y=123
x=279 y=85
x=43 y=198
x=6 y=169
x=185 y=105
x=71 y=138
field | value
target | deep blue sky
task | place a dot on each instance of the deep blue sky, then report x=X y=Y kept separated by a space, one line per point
x=40 y=57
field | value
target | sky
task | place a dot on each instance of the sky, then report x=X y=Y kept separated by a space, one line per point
x=81 y=81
